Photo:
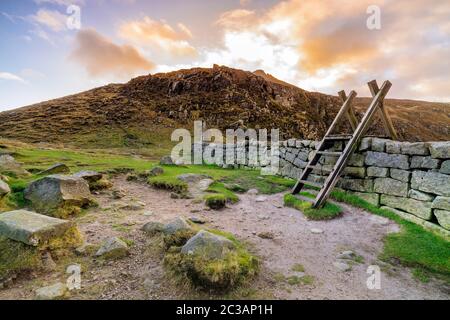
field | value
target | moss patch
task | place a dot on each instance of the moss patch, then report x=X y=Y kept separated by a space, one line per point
x=168 y=183
x=218 y=274
x=16 y=257
x=329 y=211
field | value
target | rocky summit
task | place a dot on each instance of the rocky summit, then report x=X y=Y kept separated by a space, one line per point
x=222 y=97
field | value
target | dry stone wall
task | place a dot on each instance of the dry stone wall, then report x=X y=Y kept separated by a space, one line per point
x=411 y=179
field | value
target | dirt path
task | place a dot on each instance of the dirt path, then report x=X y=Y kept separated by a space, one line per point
x=141 y=275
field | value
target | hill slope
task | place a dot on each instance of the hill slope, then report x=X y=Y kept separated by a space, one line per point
x=145 y=110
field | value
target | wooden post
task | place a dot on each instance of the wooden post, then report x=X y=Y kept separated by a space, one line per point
x=350 y=112
x=387 y=122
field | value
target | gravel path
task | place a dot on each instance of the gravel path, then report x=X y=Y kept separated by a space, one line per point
x=141 y=275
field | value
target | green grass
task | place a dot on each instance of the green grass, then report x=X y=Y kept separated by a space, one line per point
x=413 y=246
x=298 y=268
x=251 y=179
x=329 y=211
x=220 y=189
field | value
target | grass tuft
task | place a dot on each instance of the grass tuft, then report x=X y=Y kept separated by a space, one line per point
x=329 y=211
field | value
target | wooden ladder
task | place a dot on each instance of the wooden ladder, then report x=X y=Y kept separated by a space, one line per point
x=352 y=140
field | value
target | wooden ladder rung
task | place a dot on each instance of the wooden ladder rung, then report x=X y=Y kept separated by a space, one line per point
x=330 y=153
x=338 y=137
x=311 y=183
x=320 y=168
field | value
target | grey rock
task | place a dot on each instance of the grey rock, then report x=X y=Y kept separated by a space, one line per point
x=443 y=218
x=316 y=231
x=372 y=198
x=401 y=175
x=424 y=162
x=113 y=248
x=356 y=160
x=31 y=228
x=342 y=266
x=362 y=185
x=208 y=245
x=365 y=144
x=153 y=228
x=192 y=177
x=356 y=172
x=393 y=147
x=166 y=160
x=53 y=292
x=300 y=163
x=55 y=169
x=415 y=148
x=346 y=255
x=441 y=203
x=9 y=164
x=440 y=150
x=156 y=171
x=379 y=159
x=377 y=172
x=4 y=189
x=89 y=176
x=303 y=155
x=420 y=209
x=261 y=199
x=379 y=220
x=391 y=187
x=445 y=167
x=176 y=225
x=379 y=144
x=421 y=196
x=432 y=182
x=51 y=193
x=197 y=220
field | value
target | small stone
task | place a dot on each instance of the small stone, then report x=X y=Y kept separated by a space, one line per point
x=197 y=220
x=135 y=206
x=316 y=231
x=4 y=189
x=148 y=213
x=166 y=160
x=47 y=262
x=89 y=176
x=347 y=255
x=261 y=199
x=266 y=235
x=379 y=220
x=208 y=245
x=118 y=193
x=342 y=266
x=253 y=192
x=113 y=248
x=53 y=292
x=156 y=171
x=176 y=225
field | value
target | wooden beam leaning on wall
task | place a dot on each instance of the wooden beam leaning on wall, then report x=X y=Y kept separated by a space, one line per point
x=387 y=122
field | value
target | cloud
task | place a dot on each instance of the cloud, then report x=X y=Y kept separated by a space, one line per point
x=51 y=19
x=333 y=48
x=11 y=77
x=60 y=2
x=159 y=36
x=100 y=56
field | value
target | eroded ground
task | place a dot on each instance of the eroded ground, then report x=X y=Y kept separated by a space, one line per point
x=142 y=276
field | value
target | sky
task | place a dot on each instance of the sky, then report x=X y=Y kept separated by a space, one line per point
x=52 y=48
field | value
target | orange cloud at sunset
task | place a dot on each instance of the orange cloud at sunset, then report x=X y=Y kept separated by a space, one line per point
x=101 y=57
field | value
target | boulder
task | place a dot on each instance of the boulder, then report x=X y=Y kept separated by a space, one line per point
x=9 y=165
x=380 y=159
x=391 y=187
x=31 y=228
x=432 y=182
x=89 y=176
x=176 y=225
x=445 y=167
x=418 y=195
x=153 y=228
x=441 y=203
x=58 y=195
x=113 y=248
x=424 y=162
x=54 y=292
x=440 y=150
x=415 y=148
x=156 y=171
x=55 y=169
x=377 y=172
x=166 y=160
x=420 y=209
x=4 y=189
x=443 y=217
x=400 y=175
x=208 y=245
